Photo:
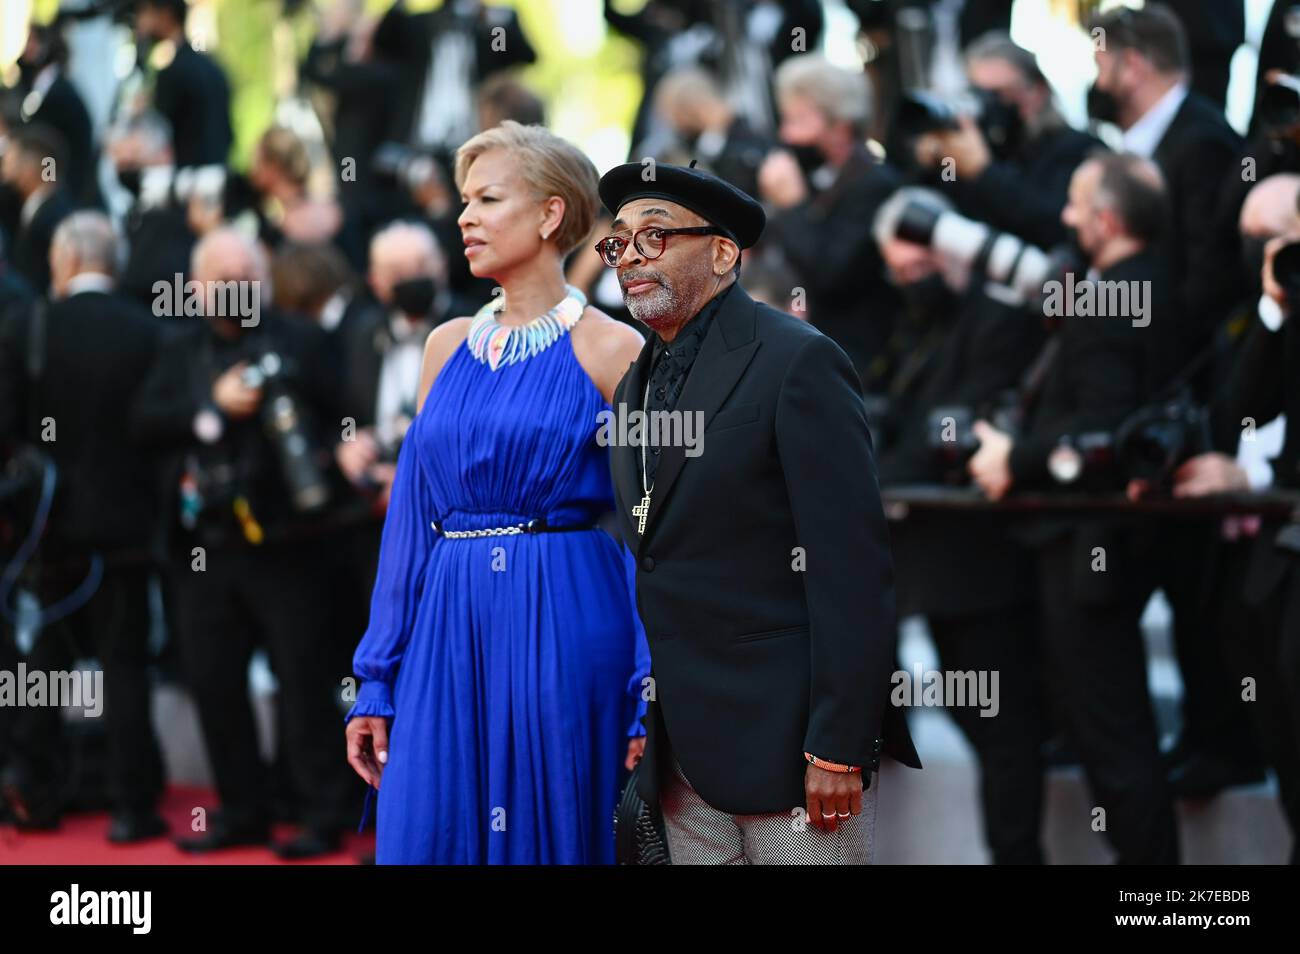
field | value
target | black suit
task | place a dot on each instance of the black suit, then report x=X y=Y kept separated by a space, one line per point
x=192 y=93
x=1197 y=157
x=755 y=662
x=160 y=245
x=31 y=252
x=98 y=348
x=62 y=109
x=966 y=575
x=248 y=592
x=1265 y=383
x=1215 y=28
x=1093 y=579
x=827 y=240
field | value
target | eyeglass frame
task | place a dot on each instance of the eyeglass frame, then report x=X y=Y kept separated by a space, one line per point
x=689 y=230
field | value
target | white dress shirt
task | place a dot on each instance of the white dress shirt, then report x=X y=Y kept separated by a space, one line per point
x=1144 y=136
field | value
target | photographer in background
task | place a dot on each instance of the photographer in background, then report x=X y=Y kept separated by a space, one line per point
x=962 y=571
x=358 y=68
x=190 y=89
x=705 y=128
x=157 y=231
x=68 y=373
x=32 y=171
x=1018 y=184
x=825 y=187
x=1143 y=87
x=384 y=350
x=1092 y=584
x=1258 y=583
x=50 y=99
x=238 y=403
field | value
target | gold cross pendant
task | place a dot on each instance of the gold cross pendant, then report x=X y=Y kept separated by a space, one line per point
x=641 y=511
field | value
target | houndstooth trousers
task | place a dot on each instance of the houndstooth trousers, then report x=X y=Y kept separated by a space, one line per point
x=699 y=834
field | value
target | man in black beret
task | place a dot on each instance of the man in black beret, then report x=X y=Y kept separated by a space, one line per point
x=747 y=492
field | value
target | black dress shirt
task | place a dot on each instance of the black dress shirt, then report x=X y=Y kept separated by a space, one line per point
x=672 y=363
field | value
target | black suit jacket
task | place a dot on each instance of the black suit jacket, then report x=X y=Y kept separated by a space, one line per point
x=31 y=252
x=755 y=662
x=1102 y=373
x=98 y=350
x=1265 y=383
x=828 y=242
x=193 y=94
x=1197 y=156
x=62 y=109
x=179 y=385
x=953 y=565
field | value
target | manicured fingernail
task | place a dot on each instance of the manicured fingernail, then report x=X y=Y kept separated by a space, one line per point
x=383 y=757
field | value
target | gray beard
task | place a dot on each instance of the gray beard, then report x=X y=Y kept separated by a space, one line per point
x=656 y=310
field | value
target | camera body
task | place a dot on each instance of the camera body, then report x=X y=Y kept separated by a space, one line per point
x=1150 y=445
x=285 y=425
x=920 y=112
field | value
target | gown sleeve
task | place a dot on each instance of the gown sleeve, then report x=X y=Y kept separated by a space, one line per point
x=404 y=547
x=638 y=687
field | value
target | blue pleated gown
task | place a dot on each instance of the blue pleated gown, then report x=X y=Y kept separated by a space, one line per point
x=511 y=666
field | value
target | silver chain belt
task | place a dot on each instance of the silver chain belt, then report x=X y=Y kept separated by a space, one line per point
x=536 y=525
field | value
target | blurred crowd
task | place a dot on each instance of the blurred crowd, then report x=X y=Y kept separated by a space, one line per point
x=1033 y=309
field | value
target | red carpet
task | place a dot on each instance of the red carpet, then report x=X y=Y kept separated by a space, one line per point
x=82 y=840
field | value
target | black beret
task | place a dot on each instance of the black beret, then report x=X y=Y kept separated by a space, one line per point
x=717 y=201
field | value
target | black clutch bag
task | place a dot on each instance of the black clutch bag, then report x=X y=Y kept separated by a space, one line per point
x=638 y=832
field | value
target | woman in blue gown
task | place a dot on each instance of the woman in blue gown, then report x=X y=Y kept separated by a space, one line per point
x=502 y=668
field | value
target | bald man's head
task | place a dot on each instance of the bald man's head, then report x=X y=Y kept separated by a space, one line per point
x=402 y=252
x=226 y=254
x=1272 y=207
x=234 y=273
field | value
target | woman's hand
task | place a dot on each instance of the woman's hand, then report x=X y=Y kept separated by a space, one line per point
x=635 y=749
x=368 y=747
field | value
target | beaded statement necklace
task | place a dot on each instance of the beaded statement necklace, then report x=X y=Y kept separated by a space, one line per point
x=495 y=344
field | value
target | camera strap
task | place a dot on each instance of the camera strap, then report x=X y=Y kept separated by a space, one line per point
x=1035 y=376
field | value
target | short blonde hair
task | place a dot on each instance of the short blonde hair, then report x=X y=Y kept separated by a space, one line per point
x=550 y=166
x=840 y=94
x=283 y=148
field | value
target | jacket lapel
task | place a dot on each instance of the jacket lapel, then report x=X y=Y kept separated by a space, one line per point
x=727 y=350
x=624 y=462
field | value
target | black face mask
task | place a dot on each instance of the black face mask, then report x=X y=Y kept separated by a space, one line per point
x=929 y=301
x=130 y=180
x=414 y=297
x=1102 y=105
x=810 y=158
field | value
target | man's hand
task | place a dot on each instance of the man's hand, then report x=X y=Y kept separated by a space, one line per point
x=235 y=398
x=965 y=146
x=990 y=468
x=635 y=750
x=834 y=794
x=780 y=180
x=1209 y=474
x=368 y=747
